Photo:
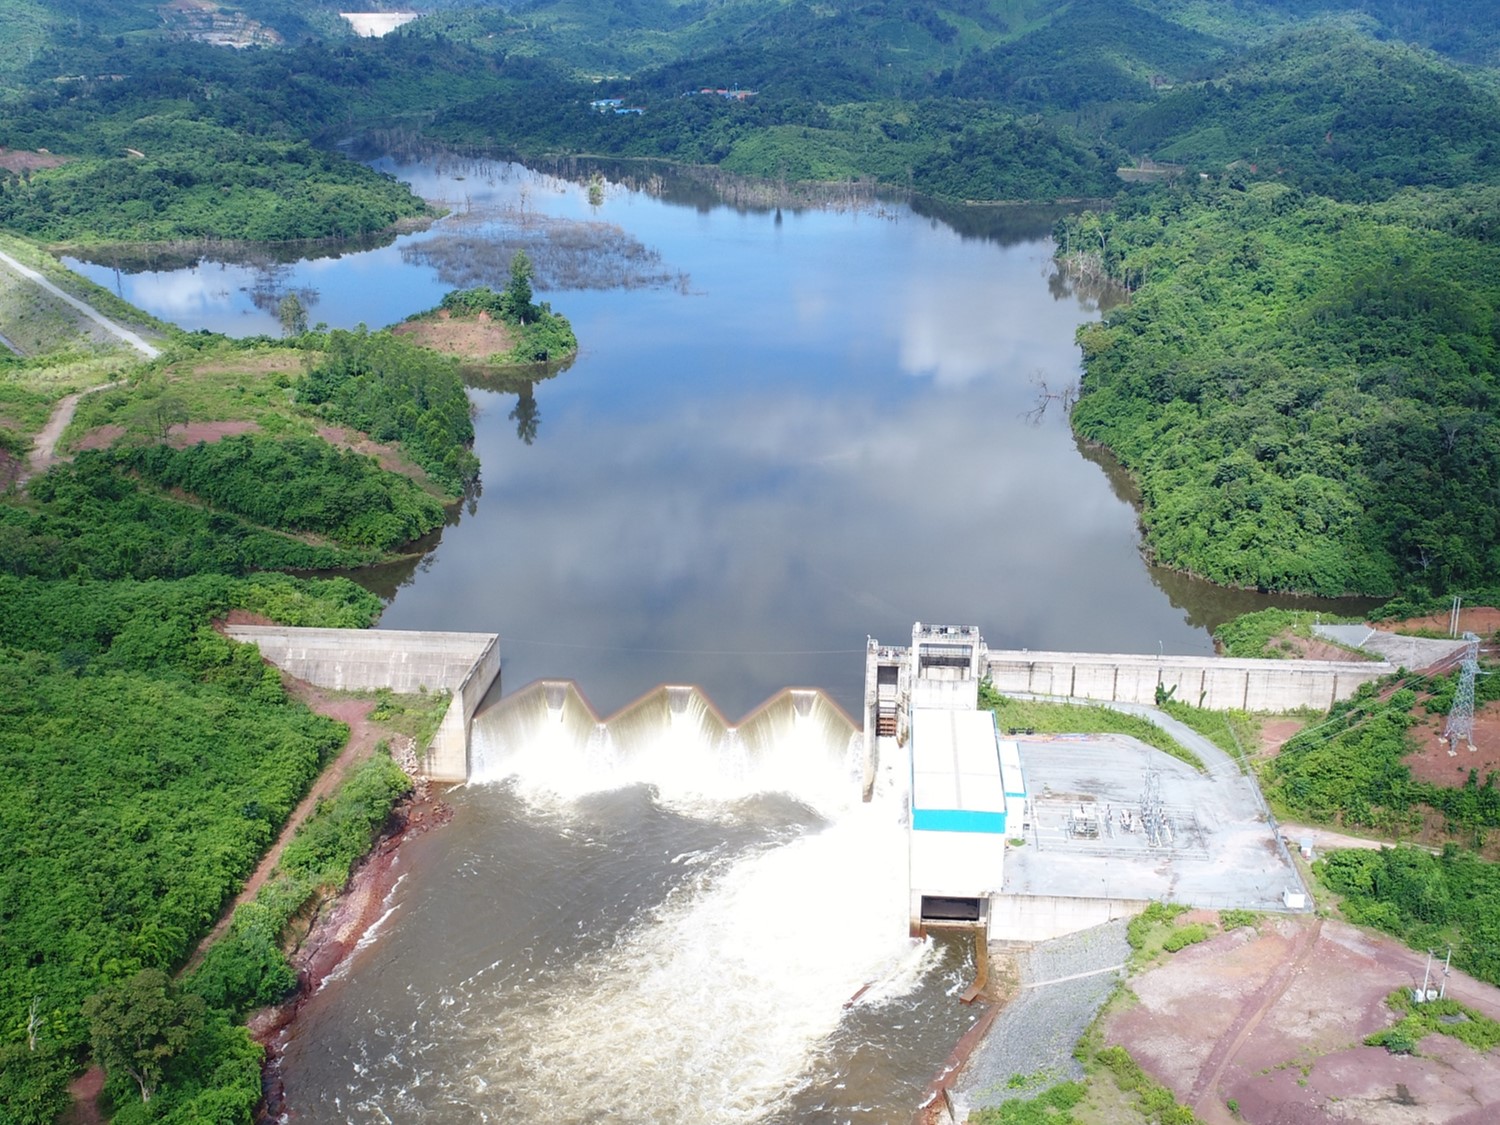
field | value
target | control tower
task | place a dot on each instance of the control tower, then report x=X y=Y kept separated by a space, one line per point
x=923 y=722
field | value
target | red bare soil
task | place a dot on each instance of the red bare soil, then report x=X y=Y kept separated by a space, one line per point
x=1275 y=1021
x=185 y=434
x=100 y=437
x=179 y=436
x=387 y=456
x=16 y=160
x=1274 y=734
x=85 y=1089
x=1483 y=620
x=469 y=337
x=245 y=617
x=1442 y=764
x=1314 y=648
x=1434 y=760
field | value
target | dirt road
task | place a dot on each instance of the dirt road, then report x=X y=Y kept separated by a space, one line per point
x=44 y=446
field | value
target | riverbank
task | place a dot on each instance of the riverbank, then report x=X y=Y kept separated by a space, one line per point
x=335 y=929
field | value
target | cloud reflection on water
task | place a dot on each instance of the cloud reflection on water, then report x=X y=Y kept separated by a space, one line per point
x=821 y=439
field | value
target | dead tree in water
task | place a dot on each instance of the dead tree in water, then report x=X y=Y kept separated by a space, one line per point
x=1064 y=397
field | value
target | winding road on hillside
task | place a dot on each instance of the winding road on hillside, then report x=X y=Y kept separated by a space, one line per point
x=44 y=446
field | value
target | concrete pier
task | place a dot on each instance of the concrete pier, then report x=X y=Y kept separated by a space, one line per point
x=463 y=664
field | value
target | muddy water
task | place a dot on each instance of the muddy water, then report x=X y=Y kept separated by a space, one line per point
x=686 y=946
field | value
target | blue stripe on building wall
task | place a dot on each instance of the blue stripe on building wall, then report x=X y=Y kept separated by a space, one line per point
x=957 y=820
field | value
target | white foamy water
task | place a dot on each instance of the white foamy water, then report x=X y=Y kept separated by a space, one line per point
x=717 y=1005
x=694 y=765
x=715 y=1008
x=659 y=928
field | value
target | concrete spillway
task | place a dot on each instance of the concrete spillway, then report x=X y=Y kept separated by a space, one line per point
x=670 y=723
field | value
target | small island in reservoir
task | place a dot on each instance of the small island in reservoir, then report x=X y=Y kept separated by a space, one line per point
x=504 y=329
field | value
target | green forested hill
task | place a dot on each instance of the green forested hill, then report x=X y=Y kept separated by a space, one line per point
x=1306 y=390
x=1091 y=52
x=966 y=99
x=1332 y=112
x=1305 y=380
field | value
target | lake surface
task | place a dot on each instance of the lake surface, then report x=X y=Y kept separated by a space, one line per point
x=785 y=432
x=789 y=431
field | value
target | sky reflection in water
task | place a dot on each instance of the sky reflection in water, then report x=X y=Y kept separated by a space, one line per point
x=819 y=436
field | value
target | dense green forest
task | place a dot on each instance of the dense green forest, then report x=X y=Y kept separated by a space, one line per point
x=393 y=390
x=1428 y=901
x=89 y=519
x=295 y=484
x=151 y=760
x=172 y=138
x=1305 y=389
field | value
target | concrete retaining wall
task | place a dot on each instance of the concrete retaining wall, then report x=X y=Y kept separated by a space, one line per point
x=1205 y=681
x=464 y=664
x=1040 y=917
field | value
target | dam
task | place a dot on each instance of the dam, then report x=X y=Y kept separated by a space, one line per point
x=1019 y=836
x=664 y=912
x=946 y=663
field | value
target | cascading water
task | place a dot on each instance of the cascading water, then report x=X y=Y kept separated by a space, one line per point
x=641 y=928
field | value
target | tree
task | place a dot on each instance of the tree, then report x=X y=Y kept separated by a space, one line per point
x=157 y=414
x=515 y=302
x=525 y=414
x=292 y=315
x=140 y=1024
x=33 y=1083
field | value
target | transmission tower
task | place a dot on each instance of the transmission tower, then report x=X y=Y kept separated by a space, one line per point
x=1461 y=715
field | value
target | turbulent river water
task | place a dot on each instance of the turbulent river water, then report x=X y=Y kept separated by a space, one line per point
x=787 y=430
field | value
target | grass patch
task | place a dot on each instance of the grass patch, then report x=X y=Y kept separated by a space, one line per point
x=417 y=715
x=1238 y=919
x=1155 y=930
x=1081 y=718
x=218 y=380
x=1435 y=1017
x=1053 y=1107
x=23 y=411
x=62 y=373
x=1153 y=1101
x=1263 y=634
x=1230 y=731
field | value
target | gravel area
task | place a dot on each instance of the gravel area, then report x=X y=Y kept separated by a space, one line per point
x=1036 y=1033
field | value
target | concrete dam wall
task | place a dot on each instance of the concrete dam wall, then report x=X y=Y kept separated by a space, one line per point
x=464 y=664
x=1219 y=683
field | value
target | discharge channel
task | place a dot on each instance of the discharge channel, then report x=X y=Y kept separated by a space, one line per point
x=676 y=933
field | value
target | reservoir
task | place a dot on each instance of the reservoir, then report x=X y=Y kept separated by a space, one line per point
x=786 y=431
